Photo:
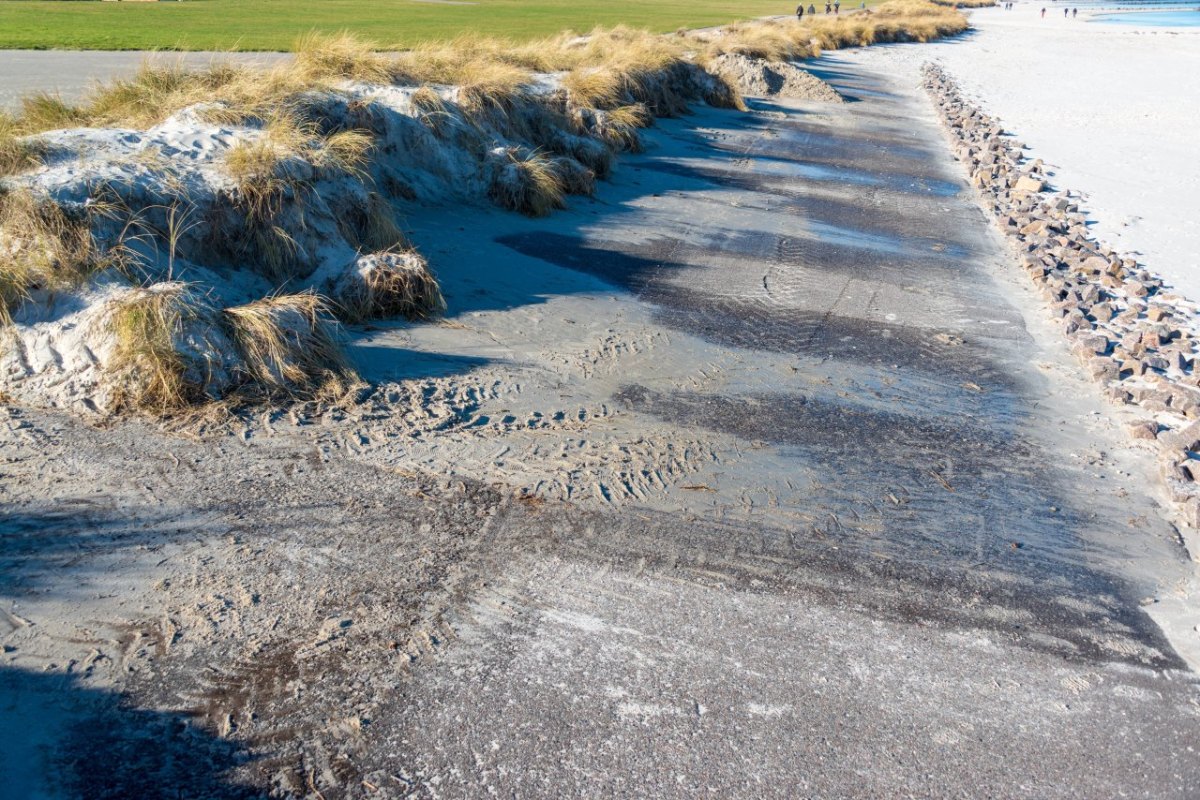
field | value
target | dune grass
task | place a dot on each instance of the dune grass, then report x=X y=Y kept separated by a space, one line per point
x=392 y=284
x=288 y=344
x=17 y=154
x=534 y=147
x=46 y=248
x=528 y=182
x=149 y=371
x=263 y=188
x=607 y=69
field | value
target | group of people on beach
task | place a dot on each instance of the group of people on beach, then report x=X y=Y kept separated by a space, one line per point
x=1067 y=12
x=830 y=8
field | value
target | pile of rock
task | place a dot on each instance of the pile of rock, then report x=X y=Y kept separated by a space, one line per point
x=1128 y=330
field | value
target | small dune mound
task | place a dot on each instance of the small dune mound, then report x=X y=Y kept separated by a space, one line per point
x=759 y=77
x=385 y=285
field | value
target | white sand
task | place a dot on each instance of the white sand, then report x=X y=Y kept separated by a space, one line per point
x=1113 y=109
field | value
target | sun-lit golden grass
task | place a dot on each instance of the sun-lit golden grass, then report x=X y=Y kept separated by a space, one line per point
x=147 y=369
x=893 y=21
x=342 y=56
x=395 y=284
x=782 y=40
x=594 y=87
x=46 y=112
x=17 y=154
x=529 y=183
x=619 y=127
x=288 y=345
x=44 y=247
x=605 y=68
x=252 y=235
x=262 y=188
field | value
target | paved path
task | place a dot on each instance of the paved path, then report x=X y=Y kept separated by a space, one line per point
x=70 y=72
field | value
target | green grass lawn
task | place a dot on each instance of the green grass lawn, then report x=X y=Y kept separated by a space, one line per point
x=276 y=24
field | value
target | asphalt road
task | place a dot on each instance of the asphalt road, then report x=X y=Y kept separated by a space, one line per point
x=70 y=73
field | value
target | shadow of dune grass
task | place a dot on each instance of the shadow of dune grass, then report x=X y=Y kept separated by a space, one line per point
x=60 y=738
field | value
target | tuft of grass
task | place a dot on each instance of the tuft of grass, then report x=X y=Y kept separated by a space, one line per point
x=721 y=92
x=527 y=182
x=45 y=247
x=619 y=127
x=343 y=152
x=397 y=283
x=17 y=154
x=47 y=112
x=341 y=56
x=431 y=109
x=263 y=188
x=249 y=230
x=148 y=368
x=573 y=177
x=156 y=91
x=372 y=228
x=593 y=87
x=288 y=345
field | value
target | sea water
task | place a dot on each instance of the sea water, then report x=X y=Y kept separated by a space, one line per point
x=1154 y=19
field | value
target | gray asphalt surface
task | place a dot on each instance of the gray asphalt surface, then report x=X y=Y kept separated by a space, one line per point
x=70 y=73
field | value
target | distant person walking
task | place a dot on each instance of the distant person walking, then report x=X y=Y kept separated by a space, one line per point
x=837 y=7
x=828 y=7
x=800 y=11
x=1043 y=13
x=811 y=9
x=1074 y=13
x=1066 y=11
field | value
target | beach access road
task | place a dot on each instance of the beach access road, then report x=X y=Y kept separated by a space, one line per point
x=69 y=74
x=761 y=473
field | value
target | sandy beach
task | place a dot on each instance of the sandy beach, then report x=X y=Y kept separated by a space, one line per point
x=1111 y=108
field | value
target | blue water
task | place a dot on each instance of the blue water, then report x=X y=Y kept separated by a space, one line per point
x=1156 y=19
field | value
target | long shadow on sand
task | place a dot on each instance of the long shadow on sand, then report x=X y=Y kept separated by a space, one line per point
x=59 y=738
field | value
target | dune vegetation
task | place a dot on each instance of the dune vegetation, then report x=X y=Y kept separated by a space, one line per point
x=224 y=275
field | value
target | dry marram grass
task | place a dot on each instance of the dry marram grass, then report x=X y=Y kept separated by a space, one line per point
x=17 y=153
x=527 y=182
x=392 y=284
x=42 y=246
x=289 y=346
x=149 y=371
